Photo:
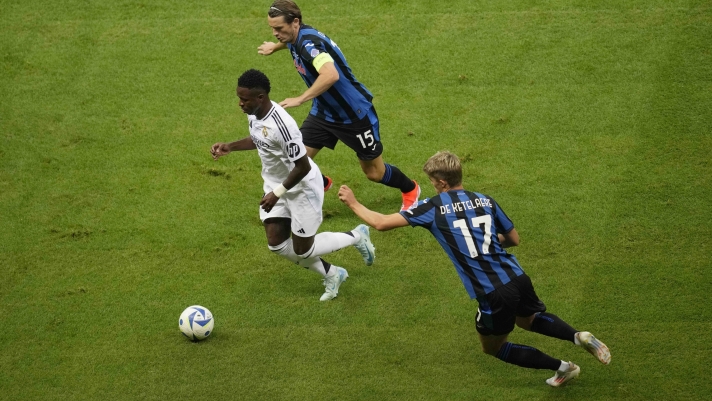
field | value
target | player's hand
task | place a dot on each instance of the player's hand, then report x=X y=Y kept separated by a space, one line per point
x=290 y=102
x=346 y=195
x=219 y=149
x=266 y=48
x=268 y=201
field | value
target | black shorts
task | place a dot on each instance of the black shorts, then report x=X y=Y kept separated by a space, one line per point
x=498 y=309
x=363 y=136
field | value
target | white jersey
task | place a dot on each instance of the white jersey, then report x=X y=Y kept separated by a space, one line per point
x=279 y=144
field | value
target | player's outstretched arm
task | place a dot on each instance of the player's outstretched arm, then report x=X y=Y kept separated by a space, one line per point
x=328 y=75
x=380 y=222
x=221 y=149
x=267 y=48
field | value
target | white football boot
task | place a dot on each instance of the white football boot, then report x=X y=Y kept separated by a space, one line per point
x=561 y=377
x=594 y=346
x=364 y=245
x=333 y=282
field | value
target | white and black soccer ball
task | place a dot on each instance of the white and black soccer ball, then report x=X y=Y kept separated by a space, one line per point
x=196 y=322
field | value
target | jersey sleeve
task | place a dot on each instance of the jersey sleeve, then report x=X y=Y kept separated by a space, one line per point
x=423 y=215
x=310 y=49
x=502 y=222
x=295 y=149
x=289 y=138
x=315 y=52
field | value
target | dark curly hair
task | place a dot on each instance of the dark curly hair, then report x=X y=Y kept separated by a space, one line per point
x=254 y=79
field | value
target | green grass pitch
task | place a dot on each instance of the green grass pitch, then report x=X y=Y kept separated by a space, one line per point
x=589 y=121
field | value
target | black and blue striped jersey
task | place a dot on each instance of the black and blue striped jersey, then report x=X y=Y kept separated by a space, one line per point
x=344 y=102
x=466 y=225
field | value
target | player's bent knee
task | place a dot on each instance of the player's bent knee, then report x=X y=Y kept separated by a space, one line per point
x=305 y=254
x=285 y=250
x=277 y=248
x=492 y=344
x=525 y=322
x=489 y=350
x=374 y=176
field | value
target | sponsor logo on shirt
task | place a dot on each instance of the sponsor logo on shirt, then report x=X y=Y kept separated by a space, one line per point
x=293 y=150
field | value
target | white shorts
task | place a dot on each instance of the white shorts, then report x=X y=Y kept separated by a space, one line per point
x=302 y=204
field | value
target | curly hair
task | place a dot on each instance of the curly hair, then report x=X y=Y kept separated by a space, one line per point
x=254 y=79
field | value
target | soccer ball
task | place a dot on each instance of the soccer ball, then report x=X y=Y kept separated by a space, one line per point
x=196 y=322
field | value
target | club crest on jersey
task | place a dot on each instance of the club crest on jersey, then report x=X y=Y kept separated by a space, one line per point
x=299 y=67
x=264 y=131
x=314 y=52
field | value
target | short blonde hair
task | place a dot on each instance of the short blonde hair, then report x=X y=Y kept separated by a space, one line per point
x=444 y=166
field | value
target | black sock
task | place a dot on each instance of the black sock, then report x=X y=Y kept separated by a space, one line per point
x=396 y=179
x=551 y=325
x=327 y=265
x=527 y=357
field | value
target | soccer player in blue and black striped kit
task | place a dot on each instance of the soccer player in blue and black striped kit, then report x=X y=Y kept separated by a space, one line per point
x=342 y=108
x=474 y=230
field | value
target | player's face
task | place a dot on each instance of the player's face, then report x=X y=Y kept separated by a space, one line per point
x=250 y=102
x=284 y=32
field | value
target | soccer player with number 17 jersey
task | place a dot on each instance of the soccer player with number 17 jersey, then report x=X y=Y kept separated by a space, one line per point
x=341 y=105
x=473 y=230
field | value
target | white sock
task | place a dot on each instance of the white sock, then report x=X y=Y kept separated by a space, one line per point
x=325 y=243
x=317 y=265
x=564 y=366
x=285 y=250
x=576 y=339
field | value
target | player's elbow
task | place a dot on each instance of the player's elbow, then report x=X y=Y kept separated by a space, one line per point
x=511 y=238
x=331 y=75
x=333 y=79
x=305 y=170
x=380 y=226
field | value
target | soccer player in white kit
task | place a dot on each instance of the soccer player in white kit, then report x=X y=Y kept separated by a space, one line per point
x=291 y=209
